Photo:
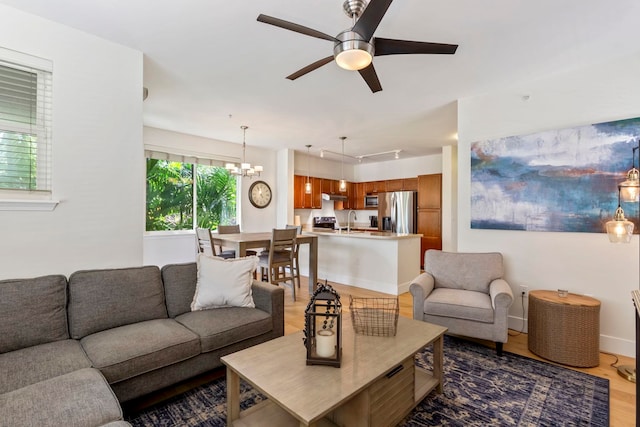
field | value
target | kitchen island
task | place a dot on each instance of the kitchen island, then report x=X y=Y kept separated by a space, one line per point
x=377 y=260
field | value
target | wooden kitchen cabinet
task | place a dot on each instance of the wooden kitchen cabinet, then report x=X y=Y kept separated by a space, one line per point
x=298 y=191
x=316 y=193
x=430 y=226
x=373 y=187
x=301 y=200
x=358 y=194
x=410 y=184
x=331 y=186
x=430 y=191
x=393 y=185
x=429 y=212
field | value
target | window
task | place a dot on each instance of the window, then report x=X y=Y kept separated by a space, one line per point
x=25 y=123
x=182 y=192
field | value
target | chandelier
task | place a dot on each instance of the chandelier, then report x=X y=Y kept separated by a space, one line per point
x=245 y=169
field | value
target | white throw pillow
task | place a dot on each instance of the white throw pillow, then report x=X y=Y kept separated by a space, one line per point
x=224 y=282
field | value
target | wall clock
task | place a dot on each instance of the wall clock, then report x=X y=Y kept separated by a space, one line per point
x=260 y=194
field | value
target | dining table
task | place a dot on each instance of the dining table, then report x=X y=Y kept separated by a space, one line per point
x=240 y=242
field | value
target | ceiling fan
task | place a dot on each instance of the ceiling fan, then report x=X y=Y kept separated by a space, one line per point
x=355 y=47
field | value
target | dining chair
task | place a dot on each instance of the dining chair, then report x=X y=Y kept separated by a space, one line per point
x=208 y=245
x=280 y=256
x=296 y=264
x=234 y=229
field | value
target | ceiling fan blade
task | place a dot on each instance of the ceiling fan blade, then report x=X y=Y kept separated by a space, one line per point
x=371 y=17
x=309 y=68
x=295 y=27
x=371 y=77
x=399 y=47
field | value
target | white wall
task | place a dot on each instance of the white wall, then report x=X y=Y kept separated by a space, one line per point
x=584 y=263
x=98 y=168
x=321 y=167
x=400 y=168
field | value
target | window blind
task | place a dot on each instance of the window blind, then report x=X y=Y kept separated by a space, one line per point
x=198 y=159
x=25 y=128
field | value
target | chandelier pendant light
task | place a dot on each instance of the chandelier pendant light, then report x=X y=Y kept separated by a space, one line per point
x=307 y=185
x=245 y=169
x=343 y=183
x=619 y=229
x=630 y=189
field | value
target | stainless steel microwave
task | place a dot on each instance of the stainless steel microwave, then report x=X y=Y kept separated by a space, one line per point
x=371 y=201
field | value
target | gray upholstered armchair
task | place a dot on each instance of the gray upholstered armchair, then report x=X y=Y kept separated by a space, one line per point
x=464 y=292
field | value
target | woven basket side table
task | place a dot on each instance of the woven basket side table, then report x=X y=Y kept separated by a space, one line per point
x=565 y=329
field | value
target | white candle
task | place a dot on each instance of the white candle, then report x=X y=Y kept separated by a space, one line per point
x=296 y=220
x=325 y=343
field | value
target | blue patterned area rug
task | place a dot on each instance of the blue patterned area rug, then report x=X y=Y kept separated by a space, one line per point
x=480 y=389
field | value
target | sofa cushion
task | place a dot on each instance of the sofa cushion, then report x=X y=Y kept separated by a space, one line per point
x=105 y=299
x=459 y=304
x=224 y=282
x=30 y=365
x=458 y=270
x=79 y=398
x=225 y=326
x=179 y=281
x=33 y=312
x=130 y=350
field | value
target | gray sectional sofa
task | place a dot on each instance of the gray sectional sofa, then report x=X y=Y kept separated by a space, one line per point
x=72 y=350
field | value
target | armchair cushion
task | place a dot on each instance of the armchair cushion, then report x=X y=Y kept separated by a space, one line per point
x=469 y=271
x=459 y=304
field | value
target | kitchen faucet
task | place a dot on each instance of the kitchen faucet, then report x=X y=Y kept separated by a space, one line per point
x=355 y=217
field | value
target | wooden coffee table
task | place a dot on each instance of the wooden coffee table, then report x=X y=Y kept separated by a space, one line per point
x=377 y=383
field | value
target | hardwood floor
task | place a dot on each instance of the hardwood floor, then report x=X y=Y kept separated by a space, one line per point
x=622 y=392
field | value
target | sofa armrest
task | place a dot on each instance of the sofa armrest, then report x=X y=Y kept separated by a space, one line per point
x=270 y=298
x=501 y=294
x=420 y=288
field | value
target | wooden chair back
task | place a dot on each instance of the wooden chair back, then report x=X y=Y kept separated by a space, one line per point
x=228 y=229
x=205 y=242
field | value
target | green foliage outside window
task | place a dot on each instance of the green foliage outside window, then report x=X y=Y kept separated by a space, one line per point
x=170 y=196
x=18 y=160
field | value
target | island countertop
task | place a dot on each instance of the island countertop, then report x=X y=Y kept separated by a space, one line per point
x=381 y=261
x=361 y=234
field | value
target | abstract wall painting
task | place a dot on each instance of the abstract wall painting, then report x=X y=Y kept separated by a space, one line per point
x=561 y=180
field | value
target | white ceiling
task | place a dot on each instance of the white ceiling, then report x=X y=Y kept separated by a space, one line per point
x=211 y=67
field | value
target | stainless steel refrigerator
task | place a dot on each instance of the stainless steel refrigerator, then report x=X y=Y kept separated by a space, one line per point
x=397 y=211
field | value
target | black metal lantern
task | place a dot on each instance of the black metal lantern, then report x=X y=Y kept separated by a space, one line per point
x=323 y=327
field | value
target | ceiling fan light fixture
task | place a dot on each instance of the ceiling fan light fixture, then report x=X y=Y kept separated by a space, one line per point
x=351 y=52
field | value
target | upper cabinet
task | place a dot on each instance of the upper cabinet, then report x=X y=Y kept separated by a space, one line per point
x=430 y=191
x=372 y=187
x=355 y=191
x=393 y=185
x=302 y=200
x=403 y=184
x=410 y=184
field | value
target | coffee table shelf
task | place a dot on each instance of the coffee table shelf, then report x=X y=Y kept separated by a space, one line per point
x=370 y=376
x=268 y=414
x=425 y=383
